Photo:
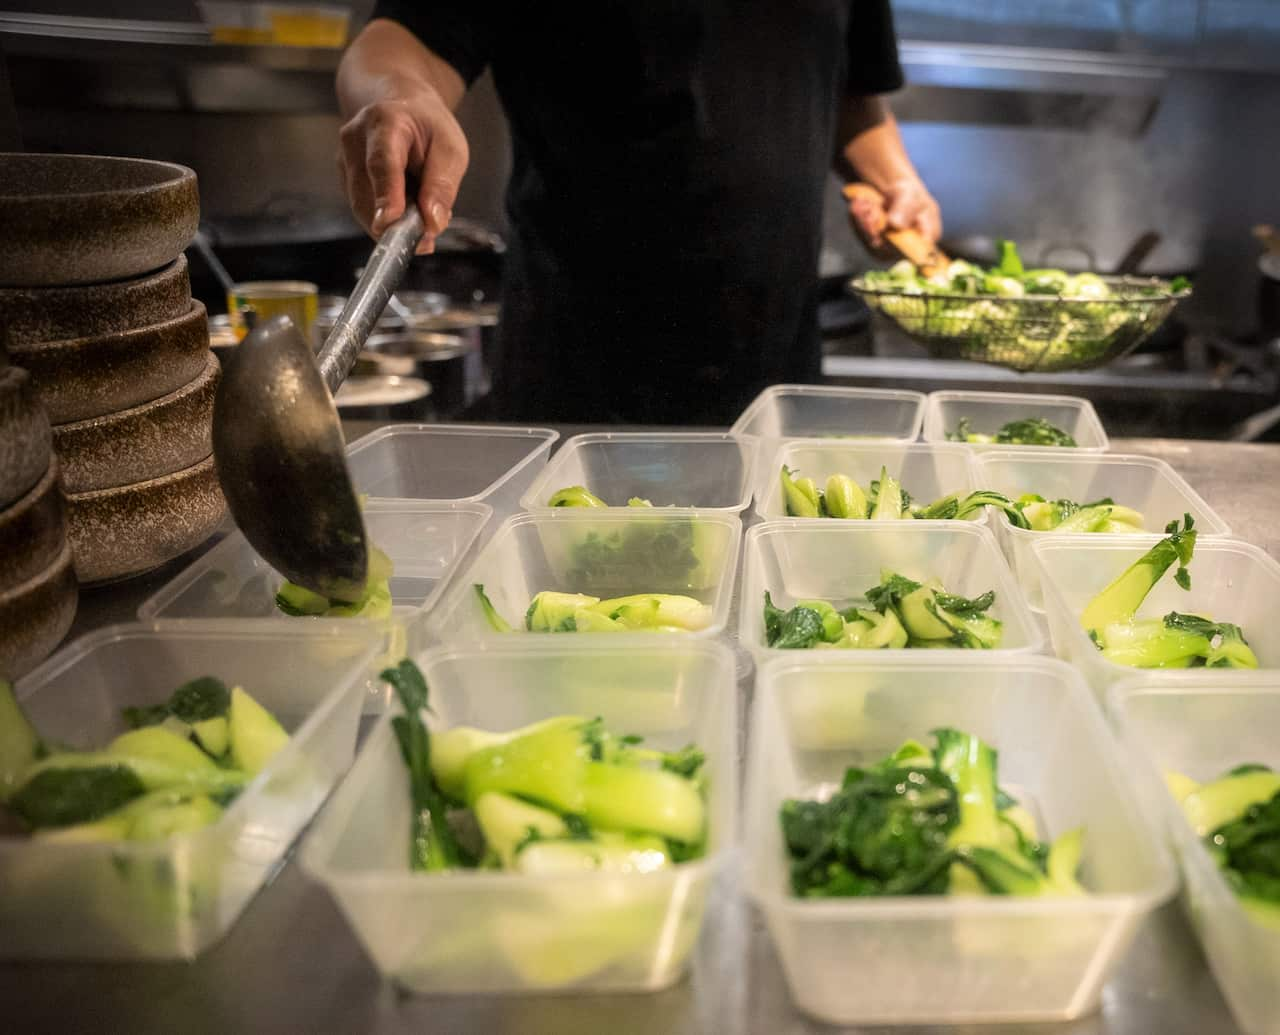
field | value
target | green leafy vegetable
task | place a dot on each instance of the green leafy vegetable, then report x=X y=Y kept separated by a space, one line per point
x=916 y=823
x=203 y=698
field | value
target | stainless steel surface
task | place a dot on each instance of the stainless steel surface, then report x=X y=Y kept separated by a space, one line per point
x=292 y=965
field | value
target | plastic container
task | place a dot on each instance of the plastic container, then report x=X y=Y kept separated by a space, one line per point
x=839 y=560
x=236 y=23
x=990 y=411
x=604 y=553
x=819 y=411
x=174 y=898
x=926 y=959
x=1203 y=729
x=1231 y=581
x=425 y=541
x=1141 y=482
x=488 y=932
x=473 y=463
x=308 y=25
x=703 y=471
x=925 y=471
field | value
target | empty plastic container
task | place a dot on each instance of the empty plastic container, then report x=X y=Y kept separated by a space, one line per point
x=938 y=959
x=706 y=471
x=838 y=561
x=988 y=412
x=425 y=541
x=1202 y=729
x=927 y=472
x=1231 y=581
x=1140 y=482
x=477 y=463
x=491 y=932
x=173 y=898
x=603 y=553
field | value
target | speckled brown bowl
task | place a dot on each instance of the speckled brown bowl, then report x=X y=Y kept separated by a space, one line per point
x=24 y=435
x=31 y=315
x=83 y=219
x=32 y=532
x=144 y=442
x=118 y=533
x=87 y=377
x=35 y=615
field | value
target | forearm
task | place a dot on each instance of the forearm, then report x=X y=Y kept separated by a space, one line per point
x=387 y=62
x=869 y=146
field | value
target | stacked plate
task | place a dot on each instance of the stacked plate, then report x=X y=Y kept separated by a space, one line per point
x=95 y=304
x=37 y=585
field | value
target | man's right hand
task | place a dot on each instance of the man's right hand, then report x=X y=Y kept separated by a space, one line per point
x=406 y=130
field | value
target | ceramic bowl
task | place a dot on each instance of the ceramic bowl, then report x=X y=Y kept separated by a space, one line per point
x=121 y=532
x=32 y=532
x=25 y=445
x=141 y=443
x=88 y=377
x=32 y=315
x=82 y=219
x=35 y=615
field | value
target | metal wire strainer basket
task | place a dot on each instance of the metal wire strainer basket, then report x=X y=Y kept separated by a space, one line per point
x=1042 y=333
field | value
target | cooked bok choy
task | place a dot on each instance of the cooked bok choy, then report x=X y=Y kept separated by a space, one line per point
x=884 y=499
x=1174 y=641
x=925 y=822
x=899 y=612
x=1029 y=431
x=561 y=796
x=578 y=612
x=175 y=771
x=1238 y=818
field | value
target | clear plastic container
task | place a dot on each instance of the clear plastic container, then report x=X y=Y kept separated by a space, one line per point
x=174 y=898
x=1141 y=482
x=820 y=411
x=699 y=470
x=926 y=471
x=476 y=463
x=1203 y=729
x=918 y=959
x=488 y=932
x=1231 y=581
x=425 y=541
x=604 y=553
x=839 y=560
x=988 y=412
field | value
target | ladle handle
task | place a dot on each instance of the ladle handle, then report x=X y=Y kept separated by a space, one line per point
x=382 y=275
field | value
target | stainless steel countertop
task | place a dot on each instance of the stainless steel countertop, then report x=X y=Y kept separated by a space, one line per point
x=291 y=964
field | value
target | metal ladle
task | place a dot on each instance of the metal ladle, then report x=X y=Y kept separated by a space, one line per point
x=277 y=438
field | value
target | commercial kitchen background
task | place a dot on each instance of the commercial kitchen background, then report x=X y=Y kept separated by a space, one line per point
x=1057 y=123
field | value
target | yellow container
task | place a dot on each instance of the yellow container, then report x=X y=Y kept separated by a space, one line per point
x=258 y=300
x=297 y=25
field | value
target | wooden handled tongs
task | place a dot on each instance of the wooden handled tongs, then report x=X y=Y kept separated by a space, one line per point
x=910 y=244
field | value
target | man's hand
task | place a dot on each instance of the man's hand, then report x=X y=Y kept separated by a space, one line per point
x=907 y=204
x=411 y=131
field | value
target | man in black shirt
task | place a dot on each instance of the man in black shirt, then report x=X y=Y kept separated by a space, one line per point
x=666 y=191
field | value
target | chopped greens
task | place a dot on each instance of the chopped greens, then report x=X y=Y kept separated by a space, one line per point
x=900 y=613
x=921 y=822
x=579 y=612
x=1029 y=431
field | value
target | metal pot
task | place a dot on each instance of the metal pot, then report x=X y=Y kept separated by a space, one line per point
x=450 y=363
x=384 y=397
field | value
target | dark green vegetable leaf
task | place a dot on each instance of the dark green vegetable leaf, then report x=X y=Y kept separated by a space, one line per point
x=433 y=844
x=798 y=628
x=890 y=591
x=205 y=697
x=61 y=797
x=1033 y=431
x=1248 y=849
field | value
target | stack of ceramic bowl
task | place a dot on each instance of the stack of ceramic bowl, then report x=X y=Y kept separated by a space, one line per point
x=95 y=304
x=37 y=584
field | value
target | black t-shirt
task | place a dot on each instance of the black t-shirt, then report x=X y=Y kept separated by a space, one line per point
x=666 y=193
